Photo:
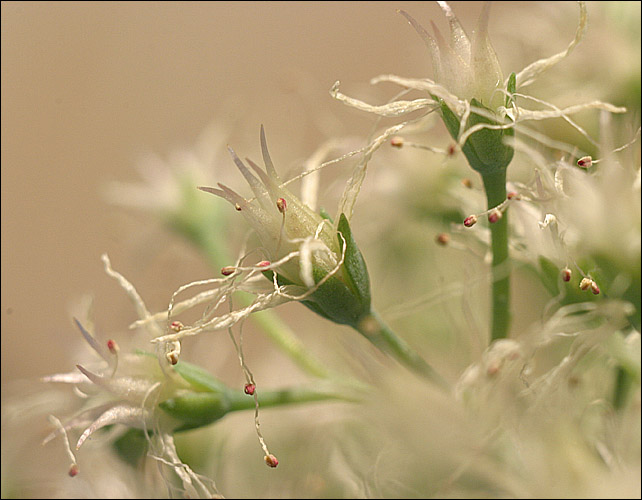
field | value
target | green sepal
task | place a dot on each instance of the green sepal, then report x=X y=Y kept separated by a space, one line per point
x=198 y=378
x=325 y=215
x=511 y=88
x=197 y=409
x=354 y=266
x=485 y=149
x=132 y=446
x=343 y=299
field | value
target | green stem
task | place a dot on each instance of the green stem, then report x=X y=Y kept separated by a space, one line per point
x=295 y=395
x=376 y=331
x=495 y=186
x=623 y=382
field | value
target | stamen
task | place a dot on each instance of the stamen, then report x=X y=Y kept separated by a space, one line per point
x=227 y=270
x=494 y=215
x=271 y=460
x=73 y=469
x=396 y=141
x=566 y=274
x=113 y=347
x=470 y=221
x=585 y=162
x=173 y=351
x=586 y=283
x=442 y=239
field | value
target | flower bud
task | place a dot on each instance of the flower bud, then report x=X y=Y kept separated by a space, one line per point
x=309 y=247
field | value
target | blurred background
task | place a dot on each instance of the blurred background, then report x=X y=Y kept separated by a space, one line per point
x=89 y=90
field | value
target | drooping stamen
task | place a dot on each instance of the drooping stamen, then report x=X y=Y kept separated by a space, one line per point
x=73 y=468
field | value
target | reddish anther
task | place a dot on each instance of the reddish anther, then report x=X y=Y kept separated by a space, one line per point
x=271 y=460
x=470 y=221
x=227 y=270
x=494 y=216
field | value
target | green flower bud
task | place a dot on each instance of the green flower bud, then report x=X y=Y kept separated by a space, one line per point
x=317 y=258
x=485 y=149
x=345 y=296
x=209 y=399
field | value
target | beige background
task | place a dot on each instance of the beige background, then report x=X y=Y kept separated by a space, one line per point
x=88 y=87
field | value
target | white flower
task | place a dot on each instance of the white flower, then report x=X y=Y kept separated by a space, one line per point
x=123 y=390
x=467 y=70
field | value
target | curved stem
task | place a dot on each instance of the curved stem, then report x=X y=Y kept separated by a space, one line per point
x=376 y=331
x=495 y=186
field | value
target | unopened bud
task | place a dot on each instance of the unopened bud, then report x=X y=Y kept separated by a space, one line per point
x=594 y=288
x=585 y=284
x=249 y=389
x=112 y=346
x=271 y=460
x=566 y=274
x=396 y=141
x=470 y=221
x=73 y=470
x=494 y=215
x=227 y=270
x=585 y=162
x=281 y=205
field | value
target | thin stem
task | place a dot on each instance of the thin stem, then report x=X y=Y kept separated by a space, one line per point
x=295 y=395
x=623 y=383
x=376 y=331
x=495 y=186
